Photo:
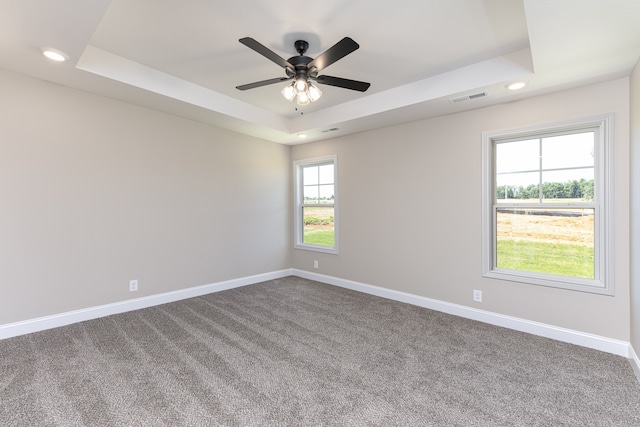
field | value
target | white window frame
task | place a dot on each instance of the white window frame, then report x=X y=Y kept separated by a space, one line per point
x=299 y=204
x=603 y=226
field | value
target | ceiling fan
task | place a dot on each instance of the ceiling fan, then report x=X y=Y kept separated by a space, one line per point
x=304 y=70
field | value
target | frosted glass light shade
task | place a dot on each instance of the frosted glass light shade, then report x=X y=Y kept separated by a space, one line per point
x=301 y=85
x=289 y=92
x=303 y=98
x=314 y=92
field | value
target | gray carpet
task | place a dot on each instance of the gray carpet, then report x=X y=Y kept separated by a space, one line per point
x=300 y=353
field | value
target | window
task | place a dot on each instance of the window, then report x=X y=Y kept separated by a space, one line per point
x=545 y=206
x=315 y=194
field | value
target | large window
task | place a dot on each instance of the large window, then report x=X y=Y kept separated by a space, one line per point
x=545 y=213
x=315 y=215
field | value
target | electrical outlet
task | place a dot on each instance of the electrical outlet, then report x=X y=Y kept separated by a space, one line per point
x=315 y=264
x=477 y=295
x=133 y=285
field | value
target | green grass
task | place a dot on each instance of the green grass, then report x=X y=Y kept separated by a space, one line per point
x=319 y=237
x=549 y=258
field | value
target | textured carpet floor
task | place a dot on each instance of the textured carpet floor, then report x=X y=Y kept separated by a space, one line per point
x=300 y=353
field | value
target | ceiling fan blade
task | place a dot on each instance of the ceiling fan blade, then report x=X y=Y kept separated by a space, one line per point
x=343 y=83
x=263 y=83
x=266 y=52
x=335 y=52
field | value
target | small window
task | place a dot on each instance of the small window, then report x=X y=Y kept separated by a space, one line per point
x=315 y=195
x=545 y=206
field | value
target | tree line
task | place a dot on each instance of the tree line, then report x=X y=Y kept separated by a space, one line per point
x=582 y=189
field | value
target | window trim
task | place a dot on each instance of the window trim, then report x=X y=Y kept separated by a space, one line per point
x=299 y=202
x=603 y=283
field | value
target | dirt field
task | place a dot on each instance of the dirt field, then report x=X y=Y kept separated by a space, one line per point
x=320 y=213
x=546 y=228
x=540 y=228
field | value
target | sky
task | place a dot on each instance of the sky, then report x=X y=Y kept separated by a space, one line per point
x=318 y=181
x=560 y=158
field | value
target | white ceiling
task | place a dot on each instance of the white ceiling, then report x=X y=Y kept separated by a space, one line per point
x=183 y=56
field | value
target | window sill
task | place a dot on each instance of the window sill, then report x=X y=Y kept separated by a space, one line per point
x=316 y=248
x=582 y=285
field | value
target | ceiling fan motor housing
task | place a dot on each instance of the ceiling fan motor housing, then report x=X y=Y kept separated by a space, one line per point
x=300 y=64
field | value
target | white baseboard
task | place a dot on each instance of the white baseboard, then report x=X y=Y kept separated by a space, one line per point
x=48 y=322
x=605 y=344
x=635 y=362
x=609 y=345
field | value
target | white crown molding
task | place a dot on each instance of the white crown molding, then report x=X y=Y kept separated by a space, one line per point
x=279 y=128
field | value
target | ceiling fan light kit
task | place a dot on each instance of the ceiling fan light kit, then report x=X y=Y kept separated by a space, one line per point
x=302 y=91
x=304 y=70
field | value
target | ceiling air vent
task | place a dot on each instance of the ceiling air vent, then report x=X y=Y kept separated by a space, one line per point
x=466 y=98
x=330 y=130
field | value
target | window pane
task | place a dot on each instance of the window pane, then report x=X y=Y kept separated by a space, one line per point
x=326 y=194
x=311 y=194
x=518 y=156
x=575 y=184
x=551 y=241
x=326 y=174
x=522 y=186
x=318 y=228
x=310 y=175
x=568 y=151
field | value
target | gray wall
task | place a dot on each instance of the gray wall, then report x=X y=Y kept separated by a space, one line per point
x=410 y=211
x=635 y=209
x=96 y=192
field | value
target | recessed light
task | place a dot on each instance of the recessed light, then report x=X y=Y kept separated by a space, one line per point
x=54 y=54
x=516 y=85
x=302 y=135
